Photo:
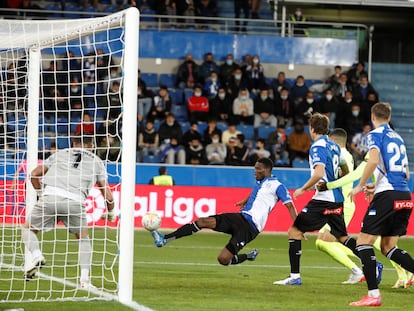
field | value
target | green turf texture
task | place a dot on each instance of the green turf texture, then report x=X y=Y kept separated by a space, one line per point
x=185 y=275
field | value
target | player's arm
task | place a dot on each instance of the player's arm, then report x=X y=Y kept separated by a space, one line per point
x=373 y=161
x=348 y=178
x=292 y=210
x=109 y=200
x=243 y=202
x=318 y=173
x=35 y=176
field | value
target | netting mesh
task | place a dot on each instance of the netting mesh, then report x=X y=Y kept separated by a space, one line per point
x=81 y=83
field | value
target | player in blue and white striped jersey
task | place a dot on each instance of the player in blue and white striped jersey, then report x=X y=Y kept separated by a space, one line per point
x=325 y=207
x=245 y=225
x=390 y=209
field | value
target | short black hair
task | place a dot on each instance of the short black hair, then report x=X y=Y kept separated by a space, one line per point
x=266 y=162
x=162 y=170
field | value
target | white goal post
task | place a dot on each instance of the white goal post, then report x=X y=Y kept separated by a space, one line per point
x=56 y=72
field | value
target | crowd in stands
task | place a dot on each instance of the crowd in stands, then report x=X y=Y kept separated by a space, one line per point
x=232 y=114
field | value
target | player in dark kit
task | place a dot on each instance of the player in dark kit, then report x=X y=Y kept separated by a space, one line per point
x=390 y=209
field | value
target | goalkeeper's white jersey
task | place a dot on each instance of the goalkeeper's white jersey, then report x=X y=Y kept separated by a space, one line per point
x=72 y=173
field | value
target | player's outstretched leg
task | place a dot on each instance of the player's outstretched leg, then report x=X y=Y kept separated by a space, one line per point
x=32 y=244
x=160 y=239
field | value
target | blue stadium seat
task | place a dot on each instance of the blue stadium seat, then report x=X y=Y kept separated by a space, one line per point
x=185 y=126
x=202 y=127
x=110 y=9
x=74 y=11
x=150 y=79
x=187 y=94
x=62 y=142
x=148 y=18
x=180 y=112
x=298 y=163
x=152 y=159
x=247 y=130
x=53 y=7
x=176 y=96
x=263 y=131
x=168 y=79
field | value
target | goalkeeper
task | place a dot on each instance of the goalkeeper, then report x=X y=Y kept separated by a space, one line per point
x=405 y=278
x=68 y=175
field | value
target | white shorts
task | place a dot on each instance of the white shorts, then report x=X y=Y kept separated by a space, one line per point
x=49 y=210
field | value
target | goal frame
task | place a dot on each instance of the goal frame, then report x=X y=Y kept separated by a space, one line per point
x=129 y=112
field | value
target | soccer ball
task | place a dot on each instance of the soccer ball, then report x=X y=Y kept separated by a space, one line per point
x=151 y=221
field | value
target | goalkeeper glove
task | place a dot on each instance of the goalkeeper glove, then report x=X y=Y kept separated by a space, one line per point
x=109 y=215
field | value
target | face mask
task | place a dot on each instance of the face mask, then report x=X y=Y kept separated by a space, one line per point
x=309 y=101
x=255 y=61
x=300 y=84
x=284 y=97
x=197 y=94
x=229 y=62
x=114 y=75
x=170 y=123
x=263 y=97
x=355 y=113
x=74 y=89
x=237 y=77
x=221 y=95
x=328 y=97
x=348 y=100
x=139 y=92
x=215 y=141
x=243 y=97
x=363 y=85
x=214 y=79
x=298 y=13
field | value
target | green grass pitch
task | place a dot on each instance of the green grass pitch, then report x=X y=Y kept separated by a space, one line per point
x=185 y=275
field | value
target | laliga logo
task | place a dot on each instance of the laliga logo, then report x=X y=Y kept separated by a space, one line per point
x=181 y=209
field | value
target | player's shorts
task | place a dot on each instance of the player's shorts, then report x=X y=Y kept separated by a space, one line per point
x=317 y=213
x=388 y=214
x=242 y=232
x=49 y=210
x=349 y=211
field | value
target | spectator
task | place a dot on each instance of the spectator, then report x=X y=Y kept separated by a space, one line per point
x=278 y=84
x=207 y=67
x=108 y=140
x=71 y=64
x=255 y=75
x=86 y=126
x=328 y=105
x=237 y=82
x=243 y=108
x=161 y=105
x=239 y=6
x=355 y=73
x=231 y=131
x=221 y=106
x=259 y=152
x=191 y=134
x=148 y=141
x=342 y=87
x=115 y=103
x=195 y=153
x=333 y=80
x=344 y=110
x=89 y=67
x=247 y=61
x=299 y=142
x=212 y=85
x=205 y=8
x=284 y=108
x=227 y=69
x=163 y=179
x=173 y=152
x=75 y=98
x=359 y=147
x=354 y=121
x=299 y=29
x=188 y=73
x=198 y=105
x=237 y=151
x=216 y=151
x=28 y=5
x=361 y=92
x=305 y=108
x=264 y=110
x=169 y=128
x=298 y=91
x=210 y=130
x=277 y=141
x=256 y=5
x=145 y=101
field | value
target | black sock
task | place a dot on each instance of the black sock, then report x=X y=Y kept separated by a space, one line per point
x=295 y=251
x=401 y=257
x=351 y=244
x=238 y=259
x=185 y=230
x=369 y=265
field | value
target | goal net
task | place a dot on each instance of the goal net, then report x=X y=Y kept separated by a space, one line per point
x=60 y=79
